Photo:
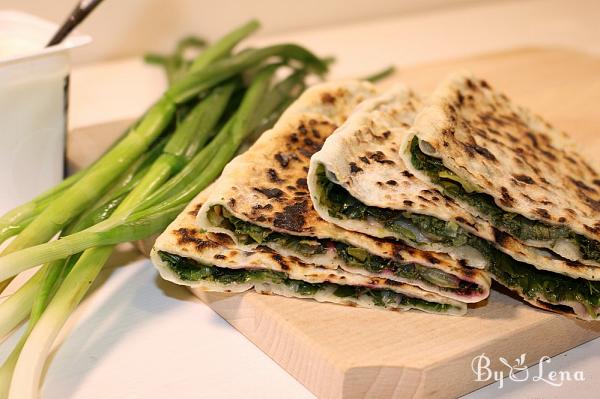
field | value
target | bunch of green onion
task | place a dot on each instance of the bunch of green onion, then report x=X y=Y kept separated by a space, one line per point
x=213 y=104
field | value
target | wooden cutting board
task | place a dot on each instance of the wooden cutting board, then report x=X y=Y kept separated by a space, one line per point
x=340 y=352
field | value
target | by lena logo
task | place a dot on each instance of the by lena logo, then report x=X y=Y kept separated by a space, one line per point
x=518 y=371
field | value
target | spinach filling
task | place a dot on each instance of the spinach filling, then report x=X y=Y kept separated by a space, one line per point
x=412 y=227
x=553 y=287
x=249 y=233
x=514 y=224
x=190 y=270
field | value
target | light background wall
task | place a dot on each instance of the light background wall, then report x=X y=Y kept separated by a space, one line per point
x=129 y=27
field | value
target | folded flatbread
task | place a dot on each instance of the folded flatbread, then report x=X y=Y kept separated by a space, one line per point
x=360 y=181
x=513 y=169
x=262 y=199
x=186 y=255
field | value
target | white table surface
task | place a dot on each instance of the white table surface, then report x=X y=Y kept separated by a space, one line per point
x=136 y=336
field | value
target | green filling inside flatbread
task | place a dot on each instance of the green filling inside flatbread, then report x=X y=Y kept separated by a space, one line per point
x=512 y=223
x=416 y=228
x=552 y=287
x=248 y=233
x=190 y=270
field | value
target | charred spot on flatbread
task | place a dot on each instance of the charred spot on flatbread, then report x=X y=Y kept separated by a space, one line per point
x=195 y=210
x=273 y=176
x=270 y=193
x=302 y=183
x=282 y=159
x=354 y=168
x=293 y=217
x=380 y=157
x=281 y=261
x=327 y=98
x=186 y=236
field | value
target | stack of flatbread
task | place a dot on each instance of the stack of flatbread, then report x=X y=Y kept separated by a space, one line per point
x=387 y=200
x=256 y=228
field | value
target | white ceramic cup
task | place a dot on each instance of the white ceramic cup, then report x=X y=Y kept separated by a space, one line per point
x=33 y=106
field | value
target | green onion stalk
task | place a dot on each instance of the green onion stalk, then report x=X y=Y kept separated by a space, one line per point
x=18 y=305
x=193 y=132
x=33 y=296
x=82 y=194
x=55 y=272
x=14 y=221
x=18 y=219
x=29 y=366
x=176 y=65
x=95 y=181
